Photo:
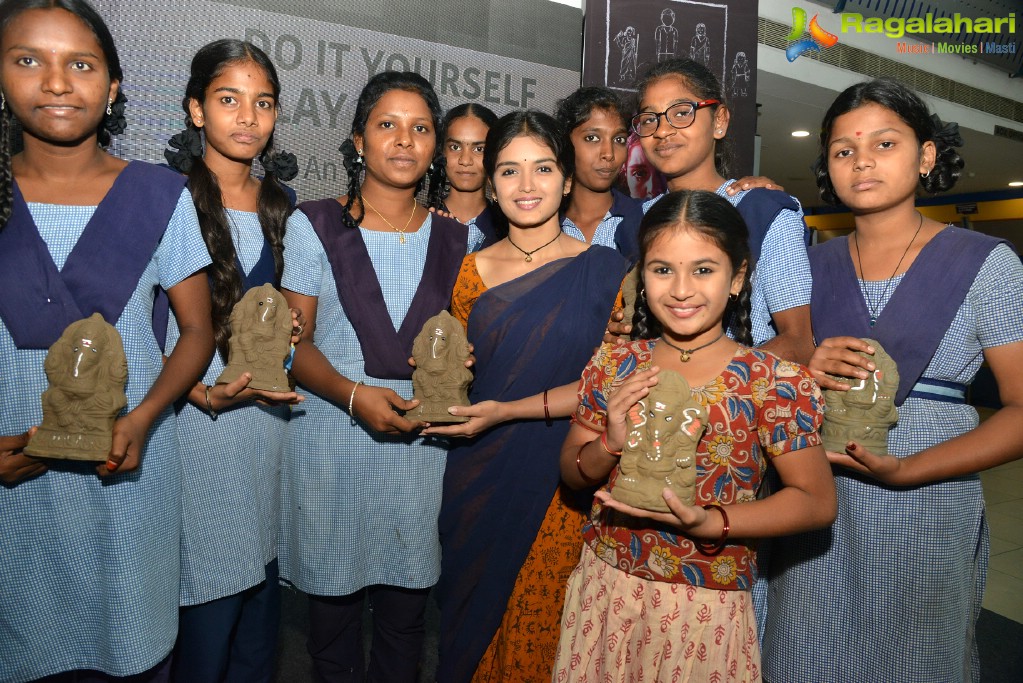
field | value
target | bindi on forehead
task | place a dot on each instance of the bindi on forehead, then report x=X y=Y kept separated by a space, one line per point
x=859 y=133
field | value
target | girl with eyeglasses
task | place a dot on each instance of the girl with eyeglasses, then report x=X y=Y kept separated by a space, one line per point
x=682 y=124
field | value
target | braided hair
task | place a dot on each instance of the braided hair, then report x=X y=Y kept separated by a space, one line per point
x=273 y=205
x=113 y=123
x=715 y=219
x=907 y=105
x=378 y=86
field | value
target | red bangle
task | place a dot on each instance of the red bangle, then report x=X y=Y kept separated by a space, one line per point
x=579 y=466
x=715 y=548
x=607 y=449
x=546 y=410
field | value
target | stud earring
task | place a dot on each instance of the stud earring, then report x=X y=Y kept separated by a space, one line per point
x=110 y=104
x=358 y=159
x=3 y=102
x=718 y=131
x=431 y=167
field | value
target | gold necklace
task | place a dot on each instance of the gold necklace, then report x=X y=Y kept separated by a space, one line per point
x=401 y=233
x=529 y=254
x=687 y=353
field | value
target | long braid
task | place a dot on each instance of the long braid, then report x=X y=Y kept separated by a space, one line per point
x=274 y=207
x=353 y=164
x=739 y=315
x=226 y=281
x=6 y=175
x=438 y=184
x=644 y=324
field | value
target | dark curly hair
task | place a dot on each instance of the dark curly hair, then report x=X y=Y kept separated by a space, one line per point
x=717 y=220
x=378 y=86
x=113 y=122
x=439 y=177
x=273 y=204
x=545 y=128
x=907 y=105
x=704 y=85
x=576 y=109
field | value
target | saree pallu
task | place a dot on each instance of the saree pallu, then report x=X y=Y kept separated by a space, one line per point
x=533 y=333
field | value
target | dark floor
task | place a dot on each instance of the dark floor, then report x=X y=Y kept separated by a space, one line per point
x=1000 y=641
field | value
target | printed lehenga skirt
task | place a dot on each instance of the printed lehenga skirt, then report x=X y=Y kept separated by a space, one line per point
x=620 y=628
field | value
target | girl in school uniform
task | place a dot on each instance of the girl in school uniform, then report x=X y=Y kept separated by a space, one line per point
x=89 y=581
x=458 y=182
x=683 y=126
x=893 y=590
x=361 y=490
x=595 y=212
x=232 y=436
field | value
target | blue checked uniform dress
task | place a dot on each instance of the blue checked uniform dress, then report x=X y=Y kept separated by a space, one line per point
x=231 y=497
x=89 y=568
x=781 y=279
x=893 y=590
x=358 y=508
x=604 y=234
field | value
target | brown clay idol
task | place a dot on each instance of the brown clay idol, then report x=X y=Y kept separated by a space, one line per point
x=440 y=379
x=260 y=340
x=660 y=447
x=867 y=411
x=87 y=371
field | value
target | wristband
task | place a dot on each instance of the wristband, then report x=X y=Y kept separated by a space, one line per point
x=546 y=410
x=717 y=547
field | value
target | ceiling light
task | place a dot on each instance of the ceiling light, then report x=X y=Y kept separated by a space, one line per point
x=1016 y=183
x=800 y=133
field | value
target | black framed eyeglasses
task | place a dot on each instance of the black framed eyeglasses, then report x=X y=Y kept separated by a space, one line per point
x=678 y=115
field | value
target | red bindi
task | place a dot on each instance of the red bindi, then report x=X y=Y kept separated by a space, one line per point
x=858 y=133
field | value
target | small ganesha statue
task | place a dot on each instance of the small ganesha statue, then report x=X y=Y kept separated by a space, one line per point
x=440 y=379
x=87 y=371
x=866 y=412
x=260 y=341
x=660 y=447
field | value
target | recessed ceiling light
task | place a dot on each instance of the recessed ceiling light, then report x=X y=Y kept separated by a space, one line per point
x=1016 y=183
x=800 y=133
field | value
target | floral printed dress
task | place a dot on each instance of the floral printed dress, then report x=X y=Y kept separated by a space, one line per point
x=645 y=603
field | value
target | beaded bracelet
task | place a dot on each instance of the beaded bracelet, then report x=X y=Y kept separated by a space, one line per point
x=717 y=547
x=209 y=406
x=351 y=400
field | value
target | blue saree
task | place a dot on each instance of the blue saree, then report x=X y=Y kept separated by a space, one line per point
x=533 y=333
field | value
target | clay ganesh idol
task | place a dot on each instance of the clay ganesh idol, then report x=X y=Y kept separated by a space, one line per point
x=261 y=326
x=440 y=379
x=660 y=448
x=87 y=370
x=866 y=411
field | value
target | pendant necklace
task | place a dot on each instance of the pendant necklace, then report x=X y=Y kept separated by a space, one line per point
x=401 y=233
x=686 y=354
x=529 y=254
x=873 y=310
